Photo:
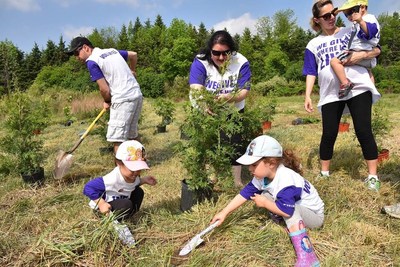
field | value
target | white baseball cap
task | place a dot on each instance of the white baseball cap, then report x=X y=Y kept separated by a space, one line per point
x=133 y=155
x=262 y=146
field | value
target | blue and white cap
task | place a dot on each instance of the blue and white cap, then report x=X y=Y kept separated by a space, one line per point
x=260 y=147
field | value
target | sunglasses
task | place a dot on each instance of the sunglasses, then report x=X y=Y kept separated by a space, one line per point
x=77 y=51
x=327 y=16
x=349 y=12
x=219 y=53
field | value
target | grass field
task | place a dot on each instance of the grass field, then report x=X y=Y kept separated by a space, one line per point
x=52 y=225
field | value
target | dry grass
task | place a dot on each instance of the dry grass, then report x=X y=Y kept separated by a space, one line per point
x=53 y=226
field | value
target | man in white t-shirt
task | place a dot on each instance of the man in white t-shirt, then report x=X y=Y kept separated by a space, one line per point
x=118 y=86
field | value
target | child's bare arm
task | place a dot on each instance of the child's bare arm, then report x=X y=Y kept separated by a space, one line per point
x=150 y=180
x=104 y=206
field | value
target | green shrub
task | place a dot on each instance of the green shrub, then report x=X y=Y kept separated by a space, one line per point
x=165 y=109
x=206 y=152
x=23 y=115
x=151 y=83
x=279 y=86
x=179 y=89
x=380 y=124
x=272 y=85
x=68 y=76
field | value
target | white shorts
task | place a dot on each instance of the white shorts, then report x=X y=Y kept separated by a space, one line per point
x=124 y=120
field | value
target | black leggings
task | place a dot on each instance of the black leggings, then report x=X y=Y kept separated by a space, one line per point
x=125 y=208
x=360 y=109
x=236 y=140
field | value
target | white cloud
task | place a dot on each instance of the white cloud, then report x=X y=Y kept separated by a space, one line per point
x=134 y=3
x=70 y=32
x=237 y=25
x=21 y=5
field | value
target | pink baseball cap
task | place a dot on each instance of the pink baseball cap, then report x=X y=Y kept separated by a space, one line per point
x=133 y=155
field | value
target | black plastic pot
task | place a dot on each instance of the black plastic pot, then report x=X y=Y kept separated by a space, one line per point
x=35 y=177
x=184 y=136
x=161 y=129
x=192 y=197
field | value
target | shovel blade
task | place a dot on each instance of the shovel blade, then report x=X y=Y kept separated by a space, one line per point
x=194 y=242
x=63 y=163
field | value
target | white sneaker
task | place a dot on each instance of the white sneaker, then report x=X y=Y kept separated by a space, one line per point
x=373 y=183
x=321 y=176
x=393 y=210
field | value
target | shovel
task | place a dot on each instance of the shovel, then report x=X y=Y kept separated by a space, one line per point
x=197 y=240
x=64 y=159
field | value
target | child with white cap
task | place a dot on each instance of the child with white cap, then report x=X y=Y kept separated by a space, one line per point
x=119 y=191
x=278 y=186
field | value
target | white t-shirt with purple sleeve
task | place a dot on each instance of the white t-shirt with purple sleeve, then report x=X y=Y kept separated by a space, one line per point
x=288 y=188
x=111 y=64
x=237 y=76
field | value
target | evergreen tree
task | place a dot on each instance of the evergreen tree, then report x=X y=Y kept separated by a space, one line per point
x=390 y=35
x=138 y=25
x=147 y=24
x=123 y=41
x=61 y=56
x=340 y=22
x=159 y=22
x=32 y=65
x=50 y=54
x=96 y=38
x=9 y=67
x=202 y=36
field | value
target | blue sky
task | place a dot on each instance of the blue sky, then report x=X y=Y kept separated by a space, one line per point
x=25 y=22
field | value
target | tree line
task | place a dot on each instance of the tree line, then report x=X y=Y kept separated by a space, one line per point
x=166 y=52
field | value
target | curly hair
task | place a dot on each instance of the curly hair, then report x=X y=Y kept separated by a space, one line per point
x=288 y=159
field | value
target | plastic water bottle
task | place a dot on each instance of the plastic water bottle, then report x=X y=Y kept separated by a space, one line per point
x=124 y=234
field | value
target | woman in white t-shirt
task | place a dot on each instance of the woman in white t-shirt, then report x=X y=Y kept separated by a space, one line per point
x=221 y=70
x=319 y=52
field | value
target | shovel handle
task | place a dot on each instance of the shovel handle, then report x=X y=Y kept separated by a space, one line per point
x=209 y=228
x=93 y=123
x=87 y=131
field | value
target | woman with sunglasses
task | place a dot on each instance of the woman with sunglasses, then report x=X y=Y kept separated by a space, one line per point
x=221 y=70
x=366 y=35
x=319 y=52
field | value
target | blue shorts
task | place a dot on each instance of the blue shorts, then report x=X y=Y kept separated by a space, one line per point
x=124 y=120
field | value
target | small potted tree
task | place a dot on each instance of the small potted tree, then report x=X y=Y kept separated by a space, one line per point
x=267 y=107
x=23 y=151
x=263 y=108
x=381 y=126
x=206 y=154
x=165 y=109
x=344 y=124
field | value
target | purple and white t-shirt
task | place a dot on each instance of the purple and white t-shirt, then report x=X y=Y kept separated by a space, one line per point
x=363 y=41
x=236 y=76
x=110 y=187
x=319 y=52
x=288 y=188
x=111 y=65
